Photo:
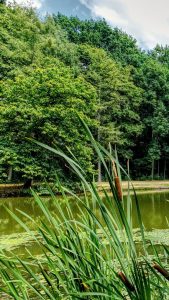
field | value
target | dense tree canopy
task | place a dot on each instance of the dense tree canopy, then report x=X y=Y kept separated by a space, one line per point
x=55 y=69
x=41 y=96
x=150 y=73
x=122 y=47
x=117 y=97
x=43 y=104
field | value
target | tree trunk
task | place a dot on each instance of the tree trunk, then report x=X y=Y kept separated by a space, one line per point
x=10 y=173
x=110 y=162
x=158 y=169
x=164 y=169
x=128 y=167
x=99 y=171
x=152 y=170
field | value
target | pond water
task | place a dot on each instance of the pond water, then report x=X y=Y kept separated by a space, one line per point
x=154 y=209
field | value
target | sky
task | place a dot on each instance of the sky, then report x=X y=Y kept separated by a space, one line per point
x=145 y=20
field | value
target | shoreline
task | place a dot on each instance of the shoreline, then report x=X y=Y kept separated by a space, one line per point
x=16 y=190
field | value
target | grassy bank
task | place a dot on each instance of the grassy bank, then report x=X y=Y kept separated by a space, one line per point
x=16 y=190
x=140 y=185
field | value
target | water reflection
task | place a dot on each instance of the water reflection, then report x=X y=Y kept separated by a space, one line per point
x=154 y=210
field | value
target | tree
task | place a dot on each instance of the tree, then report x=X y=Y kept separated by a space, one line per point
x=153 y=78
x=117 y=97
x=160 y=54
x=97 y=33
x=43 y=104
x=55 y=68
x=26 y=40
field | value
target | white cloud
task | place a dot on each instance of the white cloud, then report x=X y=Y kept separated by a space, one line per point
x=110 y=14
x=146 y=20
x=33 y=3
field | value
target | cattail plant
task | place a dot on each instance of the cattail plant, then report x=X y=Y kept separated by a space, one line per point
x=83 y=253
x=117 y=182
x=162 y=271
x=126 y=282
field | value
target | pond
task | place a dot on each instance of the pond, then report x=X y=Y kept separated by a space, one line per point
x=154 y=208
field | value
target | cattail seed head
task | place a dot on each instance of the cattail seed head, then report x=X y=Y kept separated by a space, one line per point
x=126 y=282
x=117 y=182
x=162 y=271
x=118 y=188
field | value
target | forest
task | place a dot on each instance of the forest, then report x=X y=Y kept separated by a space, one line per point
x=100 y=103
x=56 y=69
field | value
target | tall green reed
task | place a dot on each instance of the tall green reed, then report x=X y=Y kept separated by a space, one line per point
x=92 y=256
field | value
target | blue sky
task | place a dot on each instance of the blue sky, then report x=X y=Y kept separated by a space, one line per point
x=146 y=20
x=67 y=7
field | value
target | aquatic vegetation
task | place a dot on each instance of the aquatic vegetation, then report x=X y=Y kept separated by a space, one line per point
x=16 y=240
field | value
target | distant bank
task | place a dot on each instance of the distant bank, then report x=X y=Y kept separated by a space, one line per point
x=16 y=190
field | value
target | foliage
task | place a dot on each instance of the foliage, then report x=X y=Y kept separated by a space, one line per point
x=149 y=71
x=45 y=82
x=43 y=103
x=117 y=96
x=153 y=110
x=120 y=90
x=122 y=47
x=40 y=96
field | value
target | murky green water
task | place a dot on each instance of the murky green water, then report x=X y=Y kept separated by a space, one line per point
x=154 y=209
